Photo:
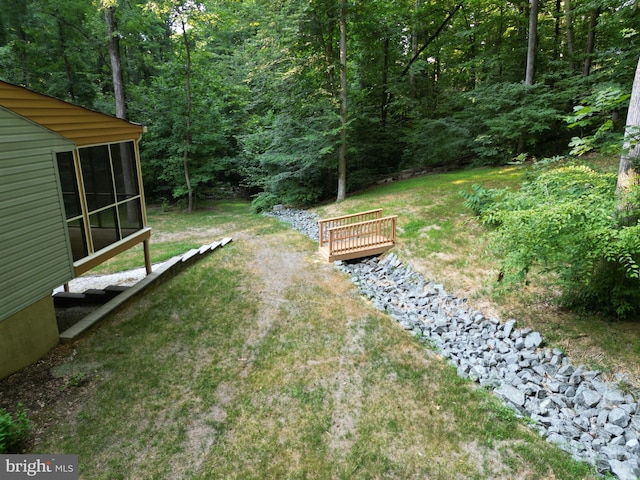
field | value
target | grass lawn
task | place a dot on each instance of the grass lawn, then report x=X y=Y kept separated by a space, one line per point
x=261 y=361
x=443 y=241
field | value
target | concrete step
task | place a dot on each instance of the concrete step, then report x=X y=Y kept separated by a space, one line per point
x=68 y=299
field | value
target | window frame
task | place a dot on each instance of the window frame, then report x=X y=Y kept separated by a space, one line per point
x=90 y=231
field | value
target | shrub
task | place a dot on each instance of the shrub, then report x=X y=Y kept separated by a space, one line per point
x=564 y=222
x=480 y=199
x=14 y=429
x=594 y=116
x=510 y=118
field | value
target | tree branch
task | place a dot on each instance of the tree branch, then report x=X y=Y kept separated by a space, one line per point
x=431 y=39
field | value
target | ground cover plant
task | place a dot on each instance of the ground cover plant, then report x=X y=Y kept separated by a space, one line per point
x=14 y=429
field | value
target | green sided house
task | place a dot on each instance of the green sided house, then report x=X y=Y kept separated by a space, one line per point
x=70 y=198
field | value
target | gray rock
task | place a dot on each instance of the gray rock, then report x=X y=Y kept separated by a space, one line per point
x=612 y=398
x=625 y=470
x=619 y=417
x=511 y=394
x=633 y=446
x=533 y=340
x=615 y=452
x=614 y=430
x=588 y=398
x=508 y=328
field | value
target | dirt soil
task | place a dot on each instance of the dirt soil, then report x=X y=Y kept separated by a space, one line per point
x=44 y=392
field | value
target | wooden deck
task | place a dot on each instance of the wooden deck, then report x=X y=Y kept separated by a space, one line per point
x=358 y=235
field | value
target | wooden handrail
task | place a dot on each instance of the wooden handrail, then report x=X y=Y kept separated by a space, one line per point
x=326 y=224
x=377 y=212
x=362 y=235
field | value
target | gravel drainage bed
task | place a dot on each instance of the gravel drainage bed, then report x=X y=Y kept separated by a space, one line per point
x=592 y=420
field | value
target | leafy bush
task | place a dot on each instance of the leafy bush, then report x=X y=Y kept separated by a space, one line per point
x=286 y=160
x=480 y=199
x=594 y=116
x=508 y=119
x=14 y=429
x=564 y=221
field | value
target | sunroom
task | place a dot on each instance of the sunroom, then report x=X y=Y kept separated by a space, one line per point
x=100 y=179
x=71 y=197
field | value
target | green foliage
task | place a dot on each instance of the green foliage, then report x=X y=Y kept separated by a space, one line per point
x=564 y=222
x=14 y=429
x=509 y=118
x=481 y=198
x=286 y=157
x=462 y=98
x=594 y=116
x=436 y=142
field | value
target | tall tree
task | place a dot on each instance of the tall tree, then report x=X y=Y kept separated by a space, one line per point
x=431 y=38
x=568 y=21
x=342 y=151
x=531 y=44
x=591 y=41
x=629 y=171
x=113 y=37
x=187 y=138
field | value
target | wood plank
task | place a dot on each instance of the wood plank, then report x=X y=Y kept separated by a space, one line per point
x=359 y=239
x=190 y=254
x=355 y=253
x=353 y=215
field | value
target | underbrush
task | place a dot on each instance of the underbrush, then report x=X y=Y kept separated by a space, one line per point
x=14 y=429
x=565 y=223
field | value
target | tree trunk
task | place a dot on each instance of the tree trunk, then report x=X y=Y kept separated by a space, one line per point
x=126 y=158
x=65 y=59
x=114 y=56
x=591 y=42
x=385 y=84
x=531 y=46
x=187 y=145
x=568 y=21
x=628 y=173
x=342 y=152
x=557 y=30
x=415 y=41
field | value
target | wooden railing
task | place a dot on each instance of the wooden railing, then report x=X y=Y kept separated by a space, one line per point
x=328 y=223
x=348 y=237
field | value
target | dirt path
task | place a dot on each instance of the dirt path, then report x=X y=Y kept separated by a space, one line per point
x=280 y=269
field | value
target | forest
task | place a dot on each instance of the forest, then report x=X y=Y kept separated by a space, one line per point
x=298 y=101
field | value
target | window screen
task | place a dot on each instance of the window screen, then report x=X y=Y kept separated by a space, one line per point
x=112 y=196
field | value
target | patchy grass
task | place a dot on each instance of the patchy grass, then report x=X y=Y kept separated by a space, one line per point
x=175 y=232
x=443 y=241
x=262 y=362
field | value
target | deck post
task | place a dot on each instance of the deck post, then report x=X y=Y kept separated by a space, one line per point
x=147 y=256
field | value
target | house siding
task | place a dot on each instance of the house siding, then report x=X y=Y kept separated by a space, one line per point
x=36 y=256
